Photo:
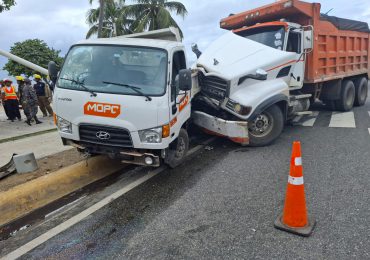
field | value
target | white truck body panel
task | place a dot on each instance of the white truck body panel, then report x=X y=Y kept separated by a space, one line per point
x=232 y=57
x=238 y=56
x=169 y=34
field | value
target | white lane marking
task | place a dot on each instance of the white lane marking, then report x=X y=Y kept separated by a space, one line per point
x=346 y=119
x=295 y=180
x=369 y=131
x=55 y=212
x=311 y=120
x=82 y=215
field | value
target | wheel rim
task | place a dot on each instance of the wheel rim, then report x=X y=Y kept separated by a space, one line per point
x=350 y=97
x=262 y=125
x=181 y=147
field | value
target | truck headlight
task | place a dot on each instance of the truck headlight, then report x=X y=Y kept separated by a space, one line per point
x=64 y=125
x=236 y=107
x=152 y=136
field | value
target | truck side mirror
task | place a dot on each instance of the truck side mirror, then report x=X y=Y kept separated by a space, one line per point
x=185 y=80
x=308 y=40
x=53 y=71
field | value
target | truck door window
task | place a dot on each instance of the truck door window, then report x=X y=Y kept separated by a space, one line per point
x=272 y=36
x=294 y=42
x=178 y=63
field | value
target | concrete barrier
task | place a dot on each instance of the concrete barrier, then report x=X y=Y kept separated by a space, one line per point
x=25 y=198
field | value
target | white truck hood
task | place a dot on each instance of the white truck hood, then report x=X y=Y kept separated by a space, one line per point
x=232 y=56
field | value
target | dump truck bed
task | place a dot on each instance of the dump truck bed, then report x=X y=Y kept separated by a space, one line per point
x=341 y=46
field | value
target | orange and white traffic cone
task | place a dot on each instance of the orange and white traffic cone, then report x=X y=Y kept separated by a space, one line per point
x=295 y=218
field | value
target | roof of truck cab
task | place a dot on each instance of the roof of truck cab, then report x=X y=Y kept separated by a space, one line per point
x=155 y=43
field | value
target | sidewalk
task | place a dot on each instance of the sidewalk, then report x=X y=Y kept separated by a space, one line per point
x=10 y=129
x=42 y=144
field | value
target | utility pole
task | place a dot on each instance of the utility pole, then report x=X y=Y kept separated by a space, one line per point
x=101 y=18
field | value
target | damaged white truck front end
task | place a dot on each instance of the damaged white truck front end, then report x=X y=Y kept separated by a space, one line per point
x=241 y=90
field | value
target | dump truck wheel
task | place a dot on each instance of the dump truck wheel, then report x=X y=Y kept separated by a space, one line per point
x=347 y=96
x=266 y=127
x=361 y=88
x=178 y=150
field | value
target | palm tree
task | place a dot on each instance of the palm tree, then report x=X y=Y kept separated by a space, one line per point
x=154 y=14
x=114 y=23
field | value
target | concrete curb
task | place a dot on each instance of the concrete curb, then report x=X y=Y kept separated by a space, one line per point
x=14 y=138
x=27 y=197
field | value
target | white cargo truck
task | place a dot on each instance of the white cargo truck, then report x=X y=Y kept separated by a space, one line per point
x=130 y=98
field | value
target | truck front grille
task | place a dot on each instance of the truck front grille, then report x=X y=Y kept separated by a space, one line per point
x=103 y=135
x=213 y=87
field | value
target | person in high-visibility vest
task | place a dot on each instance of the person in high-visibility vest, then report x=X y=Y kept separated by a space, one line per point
x=11 y=100
x=2 y=84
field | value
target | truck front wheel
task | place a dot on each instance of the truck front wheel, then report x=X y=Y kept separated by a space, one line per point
x=178 y=150
x=266 y=127
x=361 y=86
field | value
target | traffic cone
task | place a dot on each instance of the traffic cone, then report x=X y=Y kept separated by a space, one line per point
x=294 y=218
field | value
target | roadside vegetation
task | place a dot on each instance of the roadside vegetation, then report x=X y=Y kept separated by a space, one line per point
x=143 y=15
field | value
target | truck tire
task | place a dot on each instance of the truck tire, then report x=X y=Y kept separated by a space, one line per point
x=266 y=127
x=361 y=88
x=178 y=150
x=347 y=96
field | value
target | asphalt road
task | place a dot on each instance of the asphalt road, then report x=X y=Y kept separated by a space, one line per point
x=221 y=204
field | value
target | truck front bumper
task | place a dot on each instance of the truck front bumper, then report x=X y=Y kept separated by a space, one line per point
x=130 y=156
x=236 y=131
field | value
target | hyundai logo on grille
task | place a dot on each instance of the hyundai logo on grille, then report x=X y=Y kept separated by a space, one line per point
x=102 y=135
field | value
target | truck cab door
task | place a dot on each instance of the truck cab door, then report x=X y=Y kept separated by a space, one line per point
x=294 y=44
x=180 y=101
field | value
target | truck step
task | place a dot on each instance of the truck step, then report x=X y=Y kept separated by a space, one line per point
x=303 y=113
x=300 y=96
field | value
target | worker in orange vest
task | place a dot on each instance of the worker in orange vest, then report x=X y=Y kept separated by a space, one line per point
x=9 y=95
x=2 y=84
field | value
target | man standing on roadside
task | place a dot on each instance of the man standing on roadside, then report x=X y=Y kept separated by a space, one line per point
x=30 y=102
x=43 y=95
x=20 y=82
x=9 y=95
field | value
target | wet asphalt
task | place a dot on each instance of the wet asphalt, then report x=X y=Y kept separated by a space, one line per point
x=221 y=204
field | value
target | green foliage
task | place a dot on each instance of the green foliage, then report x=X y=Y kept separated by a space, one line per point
x=155 y=14
x=35 y=51
x=144 y=15
x=6 y=4
x=115 y=22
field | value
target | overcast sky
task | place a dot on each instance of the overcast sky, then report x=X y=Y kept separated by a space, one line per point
x=62 y=23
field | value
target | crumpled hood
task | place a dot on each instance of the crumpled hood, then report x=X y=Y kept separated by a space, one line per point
x=233 y=56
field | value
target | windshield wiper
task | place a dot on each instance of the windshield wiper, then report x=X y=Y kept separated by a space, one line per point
x=81 y=84
x=136 y=89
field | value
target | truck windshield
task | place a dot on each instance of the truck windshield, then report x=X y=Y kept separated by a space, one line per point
x=97 y=65
x=272 y=36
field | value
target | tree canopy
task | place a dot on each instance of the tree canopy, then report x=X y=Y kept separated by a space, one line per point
x=115 y=23
x=155 y=14
x=35 y=51
x=143 y=15
x=6 y=4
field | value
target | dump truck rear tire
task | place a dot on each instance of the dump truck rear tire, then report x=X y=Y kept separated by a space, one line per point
x=347 y=96
x=361 y=88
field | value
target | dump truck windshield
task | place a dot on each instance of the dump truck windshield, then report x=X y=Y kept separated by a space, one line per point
x=97 y=65
x=272 y=36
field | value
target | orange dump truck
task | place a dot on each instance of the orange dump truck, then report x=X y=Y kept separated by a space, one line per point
x=336 y=68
